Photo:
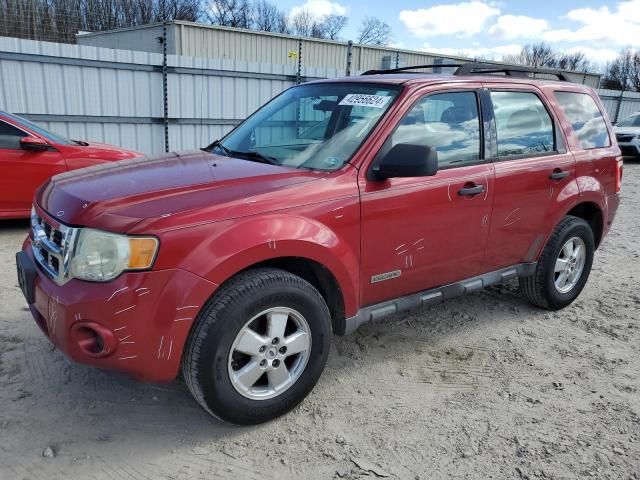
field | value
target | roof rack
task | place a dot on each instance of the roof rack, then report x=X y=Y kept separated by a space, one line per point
x=476 y=68
x=403 y=69
x=508 y=70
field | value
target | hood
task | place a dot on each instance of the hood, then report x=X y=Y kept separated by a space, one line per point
x=117 y=195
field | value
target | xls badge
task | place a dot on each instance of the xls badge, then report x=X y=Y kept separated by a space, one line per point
x=381 y=277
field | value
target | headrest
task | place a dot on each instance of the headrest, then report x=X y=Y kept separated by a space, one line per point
x=456 y=115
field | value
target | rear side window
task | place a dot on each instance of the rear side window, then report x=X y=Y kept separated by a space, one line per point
x=585 y=118
x=448 y=122
x=10 y=137
x=523 y=124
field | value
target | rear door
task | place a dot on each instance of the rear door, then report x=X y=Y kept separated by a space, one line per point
x=533 y=172
x=422 y=232
x=22 y=171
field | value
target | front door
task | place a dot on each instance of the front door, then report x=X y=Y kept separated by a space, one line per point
x=22 y=171
x=422 y=232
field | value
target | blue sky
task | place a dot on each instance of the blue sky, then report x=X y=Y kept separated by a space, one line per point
x=492 y=28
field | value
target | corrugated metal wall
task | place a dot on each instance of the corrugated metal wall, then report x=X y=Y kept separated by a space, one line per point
x=620 y=105
x=115 y=96
x=198 y=40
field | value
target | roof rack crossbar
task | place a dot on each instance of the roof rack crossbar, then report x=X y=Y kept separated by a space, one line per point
x=509 y=70
x=413 y=67
x=476 y=68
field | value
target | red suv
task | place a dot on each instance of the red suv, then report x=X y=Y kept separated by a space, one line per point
x=337 y=203
x=29 y=155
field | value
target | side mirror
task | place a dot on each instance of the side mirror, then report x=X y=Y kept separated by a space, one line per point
x=408 y=160
x=34 y=144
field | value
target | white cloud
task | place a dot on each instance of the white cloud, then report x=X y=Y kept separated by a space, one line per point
x=619 y=27
x=489 y=53
x=514 y=26
x=463 y=19
x=595 y=55
x=320 y=8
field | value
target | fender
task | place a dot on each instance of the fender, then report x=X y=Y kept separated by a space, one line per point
x=592 y=190
x=232 y=246
x=568 y=198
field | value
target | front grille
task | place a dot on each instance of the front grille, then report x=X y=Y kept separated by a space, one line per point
x=52 y=247
x=623 y=137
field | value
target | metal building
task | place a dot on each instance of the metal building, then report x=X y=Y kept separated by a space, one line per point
x=209 y=41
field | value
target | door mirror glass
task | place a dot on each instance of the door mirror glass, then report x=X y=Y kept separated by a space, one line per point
x=408 y=160
x=33 y=144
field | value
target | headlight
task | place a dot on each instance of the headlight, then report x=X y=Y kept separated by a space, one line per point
x=101 y=256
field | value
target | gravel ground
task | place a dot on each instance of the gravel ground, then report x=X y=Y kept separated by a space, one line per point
x=484 y=386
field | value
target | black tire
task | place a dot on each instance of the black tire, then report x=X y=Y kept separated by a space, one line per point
x=206 y=356
x=539 y=288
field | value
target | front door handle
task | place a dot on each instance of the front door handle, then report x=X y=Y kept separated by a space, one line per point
x=558 y=174
x=471 y=190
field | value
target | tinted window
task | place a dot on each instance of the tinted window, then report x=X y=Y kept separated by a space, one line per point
x=585 y=118
x=447 y=121
x=523 y=124
x=10 y=136
x=51 y=137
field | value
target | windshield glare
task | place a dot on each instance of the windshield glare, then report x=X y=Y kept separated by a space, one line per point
x=315 y=126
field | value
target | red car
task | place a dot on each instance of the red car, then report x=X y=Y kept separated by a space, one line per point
x=338 y=203
x=30 y=155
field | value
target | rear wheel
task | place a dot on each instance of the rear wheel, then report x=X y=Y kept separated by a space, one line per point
x=258 y=347
x=564 y=266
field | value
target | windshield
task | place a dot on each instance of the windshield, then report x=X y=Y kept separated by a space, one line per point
x=632 y=121
x=51 y=137
x=316 y=126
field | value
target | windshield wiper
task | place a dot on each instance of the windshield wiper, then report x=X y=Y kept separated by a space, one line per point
x=251 y=155
x=255 y=156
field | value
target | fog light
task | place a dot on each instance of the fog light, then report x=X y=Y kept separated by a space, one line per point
x=92 y=339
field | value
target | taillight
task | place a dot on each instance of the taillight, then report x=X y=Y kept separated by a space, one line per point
x=618 y=174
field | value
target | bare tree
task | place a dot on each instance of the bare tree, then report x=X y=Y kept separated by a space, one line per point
x=543 y=55
x=576 y=61
x=622 y=73
x=302 y=23
x=634 y=77
x=374 y=31
x=536 y=55
x=267 y=17
x=333 y=25
x=60 y=20
x=230 y=13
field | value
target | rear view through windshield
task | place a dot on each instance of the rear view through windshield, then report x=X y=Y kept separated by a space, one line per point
x=316 y=126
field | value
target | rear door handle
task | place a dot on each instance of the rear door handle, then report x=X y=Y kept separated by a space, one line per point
x=471 y=191
x=558 y=174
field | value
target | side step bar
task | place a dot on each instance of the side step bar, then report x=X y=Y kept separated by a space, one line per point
x=374 y=313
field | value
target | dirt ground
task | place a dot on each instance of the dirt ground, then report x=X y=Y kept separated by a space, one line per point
x=484 y=386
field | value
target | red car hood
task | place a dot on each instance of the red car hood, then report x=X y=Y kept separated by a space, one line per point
x=115 y=196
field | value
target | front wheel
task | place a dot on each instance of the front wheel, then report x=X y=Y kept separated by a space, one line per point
x=258 y=347
x=564 y=266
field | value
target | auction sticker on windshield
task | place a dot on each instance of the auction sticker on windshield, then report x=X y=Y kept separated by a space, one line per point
x=362 y=100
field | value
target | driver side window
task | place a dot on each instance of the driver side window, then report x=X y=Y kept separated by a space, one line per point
x=10 y=137
x=448 y=122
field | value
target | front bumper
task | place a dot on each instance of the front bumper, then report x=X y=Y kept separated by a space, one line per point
x=137 y=323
